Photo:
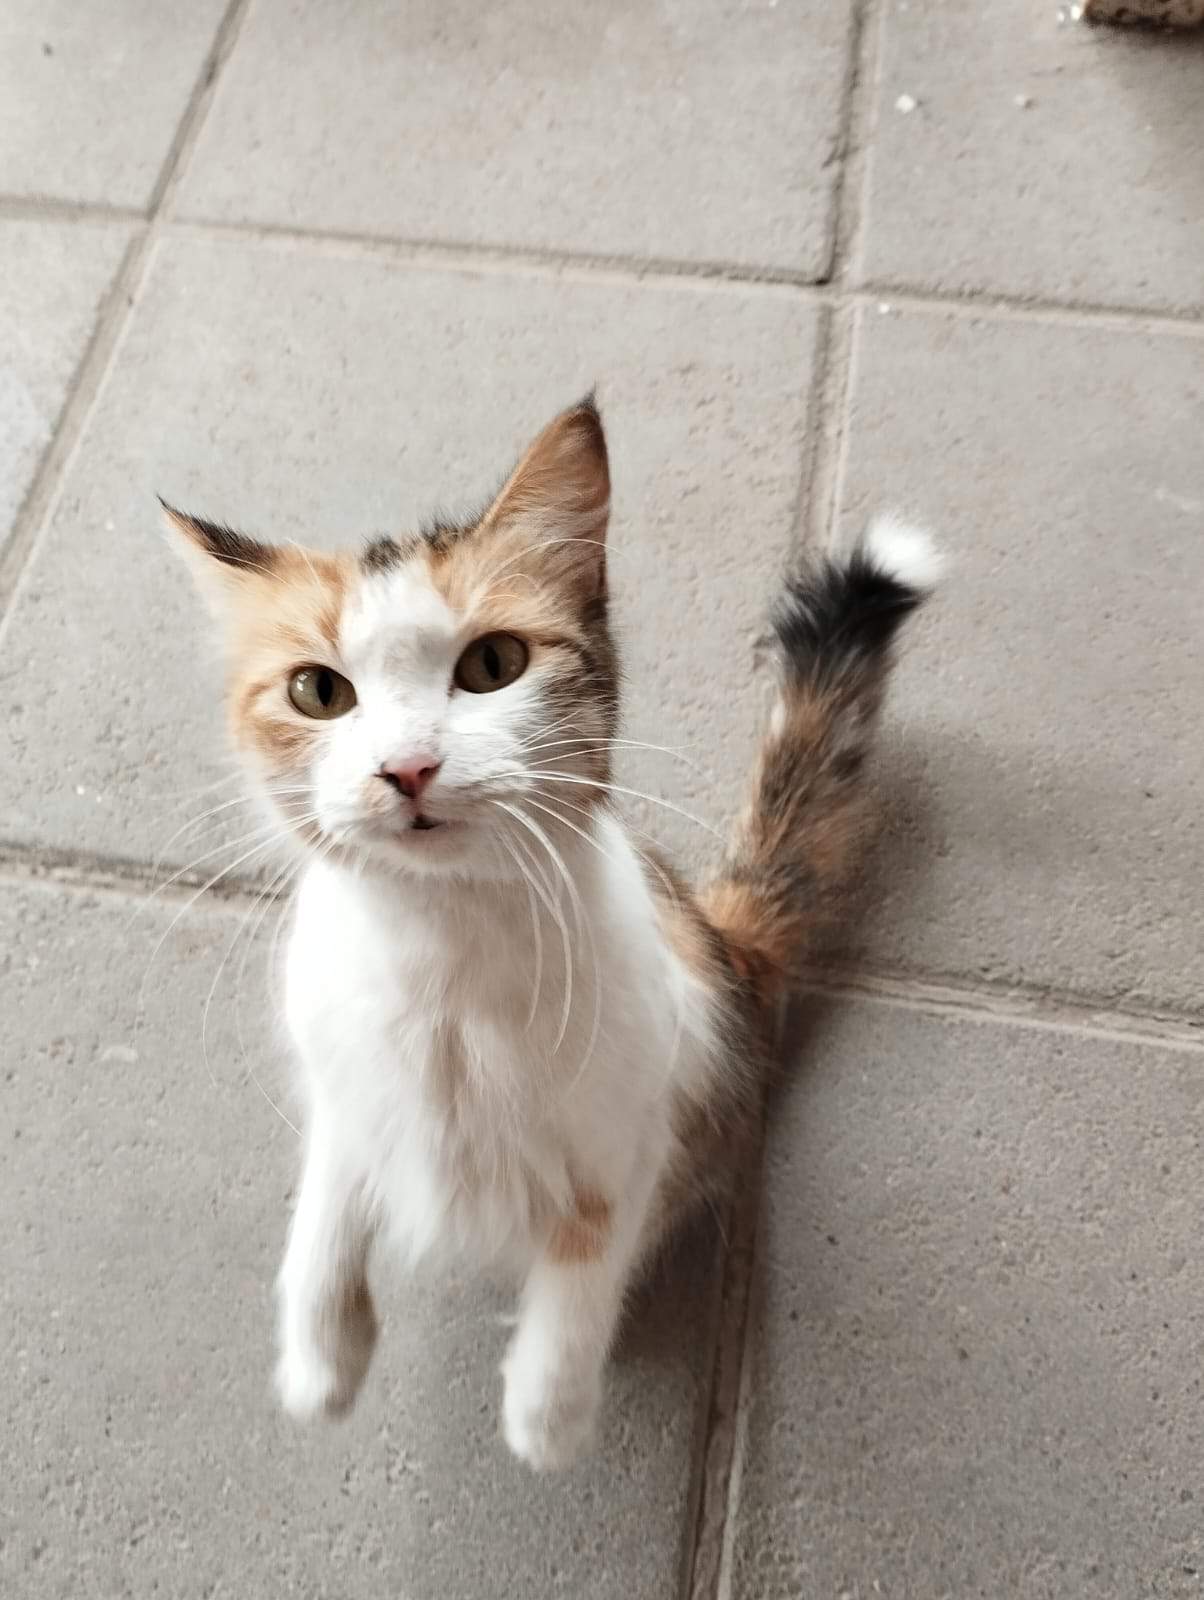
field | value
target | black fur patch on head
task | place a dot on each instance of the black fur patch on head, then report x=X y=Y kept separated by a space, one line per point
x=382 y=555
x=840 y=615
x=442 y=531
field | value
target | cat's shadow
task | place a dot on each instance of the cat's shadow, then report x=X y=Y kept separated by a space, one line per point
x=685 y=1281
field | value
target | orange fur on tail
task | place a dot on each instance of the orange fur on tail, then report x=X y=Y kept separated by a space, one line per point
x=795 y=849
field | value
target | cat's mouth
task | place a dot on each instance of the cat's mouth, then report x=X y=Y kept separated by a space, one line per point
x=423 y=824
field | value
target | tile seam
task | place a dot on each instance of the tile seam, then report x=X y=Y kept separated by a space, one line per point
x=113 y=318
x=1099 y=1015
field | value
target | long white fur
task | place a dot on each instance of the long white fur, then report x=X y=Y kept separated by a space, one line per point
x=904 y=550
x=445 y=1110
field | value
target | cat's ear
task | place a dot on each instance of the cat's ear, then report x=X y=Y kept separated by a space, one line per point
x=558 y=497
x=221 y=560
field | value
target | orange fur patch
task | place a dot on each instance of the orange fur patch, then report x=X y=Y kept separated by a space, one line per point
x=277 y=624
x=582 y=1237
x=499 y=582
x=685 y=926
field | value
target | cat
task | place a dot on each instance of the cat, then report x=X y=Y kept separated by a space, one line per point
x=521 y=1036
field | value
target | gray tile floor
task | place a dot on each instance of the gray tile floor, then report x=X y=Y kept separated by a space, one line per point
x=317 y=266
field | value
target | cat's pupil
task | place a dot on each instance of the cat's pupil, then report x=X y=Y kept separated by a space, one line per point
x=325 y=687
x=493 y=664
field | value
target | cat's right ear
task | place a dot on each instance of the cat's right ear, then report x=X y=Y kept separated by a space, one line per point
x=221 y=560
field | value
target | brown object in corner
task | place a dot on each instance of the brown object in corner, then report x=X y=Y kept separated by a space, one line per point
x=1159 y=13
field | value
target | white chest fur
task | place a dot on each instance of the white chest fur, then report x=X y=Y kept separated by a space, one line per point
x=476 y=1055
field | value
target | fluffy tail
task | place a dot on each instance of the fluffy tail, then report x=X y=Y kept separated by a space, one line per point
x=795 y=848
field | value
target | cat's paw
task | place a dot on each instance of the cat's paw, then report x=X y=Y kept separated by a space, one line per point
x=548 y=1421
x=312 y=1383
x=309 y=1386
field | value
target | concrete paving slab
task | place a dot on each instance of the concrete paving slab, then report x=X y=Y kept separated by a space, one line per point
x=325 y=398
x=1043 y=157
x=91 y=96
x=145 y=1203
x=704 y=132
x=53 y=281
x=977 y=1360
x=1045 y=776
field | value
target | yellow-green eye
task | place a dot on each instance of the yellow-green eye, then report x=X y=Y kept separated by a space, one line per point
x=491 y=663
x=320 y=692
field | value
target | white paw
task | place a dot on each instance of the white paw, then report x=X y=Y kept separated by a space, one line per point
x=315 y=1381
x=549 y=1420
x=310 y=1387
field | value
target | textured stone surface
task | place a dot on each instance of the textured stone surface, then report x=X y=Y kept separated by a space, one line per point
x=145 y=1199
x=702 y=131
x=1044 y=777
x=320 y=399
x=53 y=280
x=978 y=1354
x=1043 y=158
x=91 y=96
x=978 y=1342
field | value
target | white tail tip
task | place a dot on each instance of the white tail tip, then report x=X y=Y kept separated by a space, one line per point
x=905 y=551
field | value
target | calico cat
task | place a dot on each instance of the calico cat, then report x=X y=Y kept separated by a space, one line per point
x=521 y=1037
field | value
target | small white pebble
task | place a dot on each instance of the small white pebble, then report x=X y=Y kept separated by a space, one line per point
x=109 y=526
x=1076 y=13
x=1024 y=101
x=80 y=790
x=906 y=103
x=119 y=1052
x=1063 y=16
x=884 y=308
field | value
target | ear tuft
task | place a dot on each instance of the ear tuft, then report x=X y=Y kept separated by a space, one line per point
x=223 y=544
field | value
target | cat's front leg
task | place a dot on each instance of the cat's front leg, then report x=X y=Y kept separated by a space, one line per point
x=571 y=1307
x=327 y=1319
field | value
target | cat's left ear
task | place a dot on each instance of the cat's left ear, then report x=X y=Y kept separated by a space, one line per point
x=558 y=498
x=222 y=561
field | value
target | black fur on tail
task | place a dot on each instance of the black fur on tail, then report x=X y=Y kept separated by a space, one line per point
x=796 y=847
x=836 y=617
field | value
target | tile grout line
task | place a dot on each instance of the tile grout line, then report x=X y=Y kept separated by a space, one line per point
x=832 y=455
x=714 y=1529
x=113 y=316
x=852 y=188
x=189 y=129
x=1011 y=1005
x=627 y=271
x=721 y=1450
x=940 y=994
x=49 y=208
x=632 y=271
x=464 y=255
x=991 y=306
x=41 y=497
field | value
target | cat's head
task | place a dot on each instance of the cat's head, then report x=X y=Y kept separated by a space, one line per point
x=410 y=704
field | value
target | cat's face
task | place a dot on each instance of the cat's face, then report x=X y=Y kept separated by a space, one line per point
x=429 y=702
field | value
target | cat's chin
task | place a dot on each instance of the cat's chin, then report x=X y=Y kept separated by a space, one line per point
x=438 y=848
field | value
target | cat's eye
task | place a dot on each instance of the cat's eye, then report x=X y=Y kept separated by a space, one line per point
x=321 y=692
x=491 y=663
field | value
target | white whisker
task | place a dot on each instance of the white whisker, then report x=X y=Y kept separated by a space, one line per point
x=554 y=908
x=612 y=788
x=654 y=866
x=536 y=935
x=275 y=837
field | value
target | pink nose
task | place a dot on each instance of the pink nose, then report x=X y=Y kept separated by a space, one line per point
x=410 y=777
